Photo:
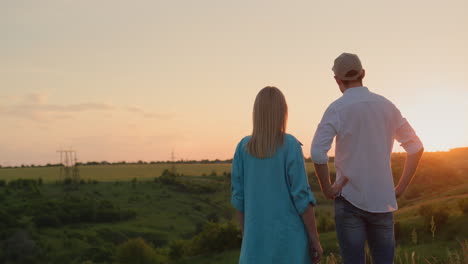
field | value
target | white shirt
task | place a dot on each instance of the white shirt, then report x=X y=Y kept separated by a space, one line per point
x=365 y=125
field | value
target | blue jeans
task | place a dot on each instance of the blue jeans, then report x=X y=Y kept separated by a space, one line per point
x=354 y=226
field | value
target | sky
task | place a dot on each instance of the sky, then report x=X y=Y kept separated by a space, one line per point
x=136 y=80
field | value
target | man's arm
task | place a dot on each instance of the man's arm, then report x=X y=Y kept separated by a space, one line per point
x=330 y=191
x=411 y=164
x=414 y=148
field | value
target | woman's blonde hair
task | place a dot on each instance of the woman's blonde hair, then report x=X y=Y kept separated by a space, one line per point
x=270 y=114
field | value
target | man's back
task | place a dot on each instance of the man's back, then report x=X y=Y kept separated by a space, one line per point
x=365 y=125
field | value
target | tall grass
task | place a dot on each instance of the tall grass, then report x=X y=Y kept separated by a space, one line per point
x=454 y=257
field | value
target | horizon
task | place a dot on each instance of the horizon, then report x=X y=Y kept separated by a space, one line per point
x=133 y=81
x=215 y=160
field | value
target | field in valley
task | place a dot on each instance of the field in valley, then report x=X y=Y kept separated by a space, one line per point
x=188 y=218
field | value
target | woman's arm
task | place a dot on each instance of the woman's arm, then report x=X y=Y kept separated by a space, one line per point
x=316 y=250
x=240 y=217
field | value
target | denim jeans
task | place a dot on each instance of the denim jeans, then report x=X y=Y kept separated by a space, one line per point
x=354 y=226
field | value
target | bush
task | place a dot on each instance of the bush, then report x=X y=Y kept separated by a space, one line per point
x=20 y=248
x=46 y=220
x=136 y=251
x=177 y=249
x=215 y=238
x=441 y=217
x=213 y=217
x=97 y=254
x=426 y=210
x=7 y=220
x=22 y=183
x=463 y=205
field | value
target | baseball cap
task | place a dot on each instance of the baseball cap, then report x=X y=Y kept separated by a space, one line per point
x=347 y=62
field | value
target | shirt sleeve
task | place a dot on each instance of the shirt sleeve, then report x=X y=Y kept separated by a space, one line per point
x=237 y=180
x=407 y=138
x=406 y=135
x=323 y=138
x=299 y=184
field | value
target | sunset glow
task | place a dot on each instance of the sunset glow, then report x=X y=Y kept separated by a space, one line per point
x=125 y=81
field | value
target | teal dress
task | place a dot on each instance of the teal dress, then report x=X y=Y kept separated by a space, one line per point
x=273 y=193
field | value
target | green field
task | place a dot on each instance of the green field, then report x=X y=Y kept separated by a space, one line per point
x=115 y=172
x=89 y=222
x=119 y=172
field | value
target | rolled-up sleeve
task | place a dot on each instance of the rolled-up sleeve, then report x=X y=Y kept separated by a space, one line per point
x=407 y=137
x=323 y=138
x=299 y=184
x=237 y=180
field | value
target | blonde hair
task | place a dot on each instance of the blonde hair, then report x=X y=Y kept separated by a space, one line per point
x=270 y=114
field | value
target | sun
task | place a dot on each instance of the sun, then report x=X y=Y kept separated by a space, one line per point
x=440 y=121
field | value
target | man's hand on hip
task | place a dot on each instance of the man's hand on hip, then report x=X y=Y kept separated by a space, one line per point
x=336 y=188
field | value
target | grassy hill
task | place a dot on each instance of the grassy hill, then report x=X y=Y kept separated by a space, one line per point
x=52 y=222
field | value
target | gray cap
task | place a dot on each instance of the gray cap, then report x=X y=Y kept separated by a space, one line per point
x=347 y=62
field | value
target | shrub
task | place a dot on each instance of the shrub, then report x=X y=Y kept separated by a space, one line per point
x=441 y=217
x=167 y=172
x=215 y=238
x=177 y=249
x=68 y=181
x=99 y=254
x=426 y=210
x=136 y=251
x=7 y=220
x=463 y=205
x=46 y=220
x=20 y=248
x=213 y=217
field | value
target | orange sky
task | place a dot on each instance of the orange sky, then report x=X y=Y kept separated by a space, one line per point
x=131 y=80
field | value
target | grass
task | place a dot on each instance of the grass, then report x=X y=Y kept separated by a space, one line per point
x=109 y=173
x=165 y=214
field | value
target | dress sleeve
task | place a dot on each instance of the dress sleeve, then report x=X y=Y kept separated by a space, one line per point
x=299 y=184
x=237 y=180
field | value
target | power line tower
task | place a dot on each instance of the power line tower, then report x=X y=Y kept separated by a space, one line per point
x=68 y=168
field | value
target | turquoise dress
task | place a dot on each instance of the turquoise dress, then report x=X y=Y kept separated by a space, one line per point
x=273 y=193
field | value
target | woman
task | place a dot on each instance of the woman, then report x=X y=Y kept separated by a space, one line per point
x=271 y=192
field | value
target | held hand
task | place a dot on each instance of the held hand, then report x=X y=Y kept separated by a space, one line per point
x=336 y=188
x=316 y=251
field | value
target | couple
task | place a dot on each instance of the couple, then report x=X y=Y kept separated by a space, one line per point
x=271 y=192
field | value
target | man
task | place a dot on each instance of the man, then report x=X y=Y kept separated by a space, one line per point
x=365 y=126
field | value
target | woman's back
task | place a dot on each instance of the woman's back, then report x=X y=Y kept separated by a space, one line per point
x=273 y=193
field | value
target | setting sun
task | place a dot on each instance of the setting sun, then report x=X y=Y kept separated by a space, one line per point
x=440 y=119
